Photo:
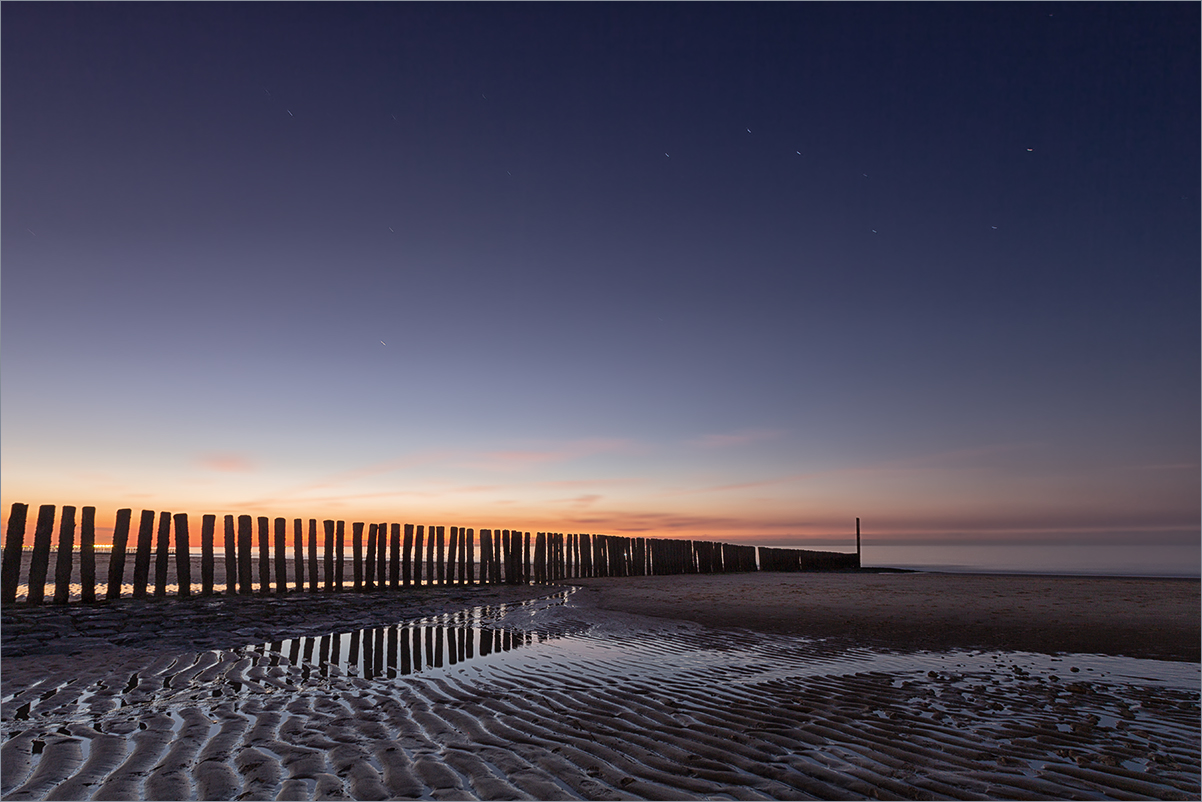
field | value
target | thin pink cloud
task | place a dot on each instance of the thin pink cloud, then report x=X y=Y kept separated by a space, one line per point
x=226 y=462
x=737 y=438
x=519 y=459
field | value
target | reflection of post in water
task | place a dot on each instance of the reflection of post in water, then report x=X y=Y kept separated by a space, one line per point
x=438 y=647
x=276 y=648
x=417 y=651
x=367 y=654
x=308 y=649
x=335 y=646
x=379 y=664
x=429 y=646
x=352 y=659
x=323 y=653
x=294 y=651
x=392 y=651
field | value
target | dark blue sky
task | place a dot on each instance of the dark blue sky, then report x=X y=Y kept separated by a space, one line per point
x=657 y=249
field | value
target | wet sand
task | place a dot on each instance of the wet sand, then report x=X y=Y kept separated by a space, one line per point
x=629 y=688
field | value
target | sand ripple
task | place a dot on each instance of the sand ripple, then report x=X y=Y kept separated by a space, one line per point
x=545 y=700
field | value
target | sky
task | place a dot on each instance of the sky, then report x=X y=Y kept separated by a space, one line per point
x=737 y=272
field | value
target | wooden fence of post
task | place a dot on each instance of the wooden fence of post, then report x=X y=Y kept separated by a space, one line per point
x=142 y=555
x=471 y=556
x=452 y=555
x=66 y=556
x=162 y=554
x=418 y=537
x=231 y=557
x=183 y=556
x=357 y=553
x=407 y=556
x=14 y=543
x=116 y=572
x=208 y=526
x=246 y=541
x=39 y=561
x=280 y=526
x=87 y=555
x=430 y=539
x=298 y=553
x=394 y=556
x=442 y=567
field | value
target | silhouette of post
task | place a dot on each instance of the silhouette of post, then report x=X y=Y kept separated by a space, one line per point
x=281 y=555
x=66 y=556
x=117 y=555
x=452 y=555
x=442 y=575
x=87 y=555
x=162 y=554
x=298 y=553
x=339 y=552
x=357 y=553
x=14 y=542
x=394 y=556
x=313 y=578
x=142 y=556
x=39 y=561
x=183 y=556
x=246 y=536
x=231 y=557
x=857 y=542
x=208 y=524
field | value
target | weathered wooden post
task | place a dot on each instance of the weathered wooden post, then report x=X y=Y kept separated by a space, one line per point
x=442 y=568
x=208 y=525
x=453 y=555
x=430 y=575
x=394 y=557
x=66 y=556
x=496 y=557
x=463 y=555
x=246 y=536
x=418 y=537
x=183 y=556
x=298 y=553
x=14 y=542
x=264 y=554
x=339 y=553
x=142 y=555
x=381 y=555
x=231 y=557
x=117 y=555
x=281 y=555
x=357 y=553
x=162 y=554
x=540 y=545
x=314 y=584
x=407 y=556
x=471 y=556
x=39 y=561
x=87 y=555
x=486 y=576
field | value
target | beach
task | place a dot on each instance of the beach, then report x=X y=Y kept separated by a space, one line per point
x=751 y=686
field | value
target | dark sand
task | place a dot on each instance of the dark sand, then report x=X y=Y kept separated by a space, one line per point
x=641 y=688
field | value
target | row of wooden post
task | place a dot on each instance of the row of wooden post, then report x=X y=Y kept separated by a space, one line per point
x=391 y=556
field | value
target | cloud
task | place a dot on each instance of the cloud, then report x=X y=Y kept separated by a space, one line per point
x=226 y=462
x=519 y=459
x=741 y=437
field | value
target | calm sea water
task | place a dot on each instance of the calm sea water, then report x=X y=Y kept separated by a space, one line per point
x=1127 y=560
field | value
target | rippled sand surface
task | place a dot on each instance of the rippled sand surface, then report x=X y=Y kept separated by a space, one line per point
x=559 y=699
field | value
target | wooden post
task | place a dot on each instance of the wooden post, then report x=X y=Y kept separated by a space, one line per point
x=463 y=555
x=39 y=561
x=540 y=539
x=66 y=556
x=453 y=556
x=357 y=552
x=208 y=524
x=496 y=556
x=117 y=556
x=298 y=553
x=418 y=536
x=231 y=557
x=471 y=556
x=87 y=555
x=246 y=536
x=485 y=551
x=142 y=555
x=407 y=556
x=442 y=568
x=381 y=555
x=264 y=554
x=183 y=556
x=281 y=555
x=314 y=581
x=162 y=554
x=430 y=576
x=394 y=556
x=507 y=572
x=339 y=552
x=14 y=542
